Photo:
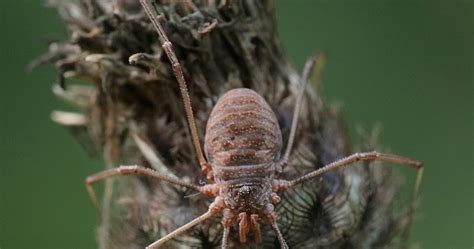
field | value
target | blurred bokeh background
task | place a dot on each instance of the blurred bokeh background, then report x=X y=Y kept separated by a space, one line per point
x=407 y=65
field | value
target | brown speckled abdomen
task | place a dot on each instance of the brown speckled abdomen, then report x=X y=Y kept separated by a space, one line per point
x=242 y=130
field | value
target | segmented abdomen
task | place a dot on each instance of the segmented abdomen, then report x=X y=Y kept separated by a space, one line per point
x=242 y=130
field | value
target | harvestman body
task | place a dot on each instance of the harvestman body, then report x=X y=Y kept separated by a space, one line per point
x=242 y=145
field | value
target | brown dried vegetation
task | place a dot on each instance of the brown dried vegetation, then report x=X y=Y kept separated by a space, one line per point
x=221 y=45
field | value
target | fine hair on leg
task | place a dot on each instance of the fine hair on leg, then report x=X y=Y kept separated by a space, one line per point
x=215 y=208
x=131 y=170
x=178 y=72
x=281 y=240
x=181 y=230
x=368 y=156
x=225 y=237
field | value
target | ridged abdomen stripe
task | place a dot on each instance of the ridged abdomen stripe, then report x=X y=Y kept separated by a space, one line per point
x=241 y=130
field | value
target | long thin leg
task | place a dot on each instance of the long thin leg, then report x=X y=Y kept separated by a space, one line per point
x=131 y=170
x=270 y=217
x=227 y=221
x=167 y=47
x=367 y=156
x=225 y=237
x=214 y=208
x=279 y=236
x=181 y=230
x=308 y=67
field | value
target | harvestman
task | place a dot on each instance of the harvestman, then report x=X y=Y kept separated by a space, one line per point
x=246 y=215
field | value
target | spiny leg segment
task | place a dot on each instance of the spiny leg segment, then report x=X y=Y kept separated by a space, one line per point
x=279 y=236
x=282 y=185
x=227 y=221
x=167 y=47
x=225 y=237
x=271 y=218
x=132 y=170
x=215 y=208
x=366 y=156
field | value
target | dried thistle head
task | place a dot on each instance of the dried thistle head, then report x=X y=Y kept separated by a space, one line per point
x=131 y=92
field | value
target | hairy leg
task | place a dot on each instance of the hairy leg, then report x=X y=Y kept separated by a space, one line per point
x=282 y=185
x=216 y=207
x=132 y=170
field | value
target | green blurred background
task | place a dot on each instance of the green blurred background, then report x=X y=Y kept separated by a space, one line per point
x=405 y=64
